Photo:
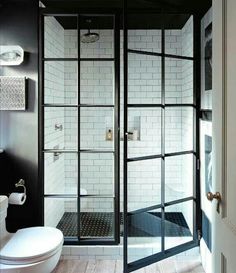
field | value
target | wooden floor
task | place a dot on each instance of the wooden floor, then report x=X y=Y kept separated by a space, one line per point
x=115 y=266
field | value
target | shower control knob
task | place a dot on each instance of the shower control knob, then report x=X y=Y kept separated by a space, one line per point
x=58 y=127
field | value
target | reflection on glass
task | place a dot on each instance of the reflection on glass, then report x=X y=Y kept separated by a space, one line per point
x=144 y=184
x=178 y=129
x=144 y=39
x=144 y=125
x=178 y=177
x=178 y=224
x=144 y=234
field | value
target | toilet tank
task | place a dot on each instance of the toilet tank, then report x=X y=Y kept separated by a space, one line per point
x=3 y=215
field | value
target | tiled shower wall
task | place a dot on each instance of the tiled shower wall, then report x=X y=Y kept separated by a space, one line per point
x=54 y=93
x=97 y=86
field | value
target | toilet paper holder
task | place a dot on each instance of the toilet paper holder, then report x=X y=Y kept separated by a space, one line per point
x=21 y=183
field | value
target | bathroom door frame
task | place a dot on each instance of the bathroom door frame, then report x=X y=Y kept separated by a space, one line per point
x=116 y=107
x=163 y=254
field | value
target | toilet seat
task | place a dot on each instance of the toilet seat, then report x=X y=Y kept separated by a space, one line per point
x=31 y=245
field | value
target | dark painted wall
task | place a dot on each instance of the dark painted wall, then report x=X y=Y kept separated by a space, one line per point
x=19 y=130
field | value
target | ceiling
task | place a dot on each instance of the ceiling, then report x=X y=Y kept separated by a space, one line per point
x=183 y=6
x=145 y=13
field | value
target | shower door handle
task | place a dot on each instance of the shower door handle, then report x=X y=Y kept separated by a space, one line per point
x=129 y=133
x=217 y=196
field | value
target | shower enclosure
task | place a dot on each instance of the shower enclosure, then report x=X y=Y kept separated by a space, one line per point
x=119 y=131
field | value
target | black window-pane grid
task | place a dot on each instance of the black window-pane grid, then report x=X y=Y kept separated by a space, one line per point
x=79 y=105
x=163 y=106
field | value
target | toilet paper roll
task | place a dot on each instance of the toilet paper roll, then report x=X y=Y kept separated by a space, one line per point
x=17 y=198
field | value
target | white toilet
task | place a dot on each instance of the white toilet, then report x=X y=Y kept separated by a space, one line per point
x=29 y=250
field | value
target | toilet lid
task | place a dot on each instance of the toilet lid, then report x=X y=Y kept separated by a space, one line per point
x=29 y=244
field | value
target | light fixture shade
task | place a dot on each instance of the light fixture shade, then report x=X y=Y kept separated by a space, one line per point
x=11 y=55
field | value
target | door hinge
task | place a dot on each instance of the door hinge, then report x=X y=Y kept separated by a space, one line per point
x=199 y=234
x=198 y=164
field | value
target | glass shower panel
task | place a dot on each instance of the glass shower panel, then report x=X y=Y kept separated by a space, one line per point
x=179 y=177
x=144 y=234
x=61 y=82
x=61 y=213
x=144 y=32
x=144 y=79
x=97 y=82
x=60 y=128
x=60 y=173
x=144 y=127
x=179 y=224
x=97 y=128
x=144 y=188
x=60 y=37
x=178 y=81
x=101 y=29
x=97 y=218
x=180 y=41
x=178 y=129
x=97 y=173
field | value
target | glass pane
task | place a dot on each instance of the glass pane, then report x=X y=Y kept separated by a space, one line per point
x=97 y=82
x=144 y=30
x=60 y=37
x=97 y=173
x=62 y=213
x=60 y=173
x=97 y=217
x=144 y=79
x=96 y=128
x=178 y=224
x=61 y=82
x=144 y=234
x=100 y=42
x=178 y=81
x=144 y=39
x=178 y=177
x=60 y=128
x=178 y=129
x=144 y=126
x=180 y=41
x=144 y=184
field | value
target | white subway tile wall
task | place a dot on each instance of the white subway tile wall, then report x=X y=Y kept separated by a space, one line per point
x=54 y=93
x=97 y=87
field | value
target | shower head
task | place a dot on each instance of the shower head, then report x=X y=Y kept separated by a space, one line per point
x=89 y=37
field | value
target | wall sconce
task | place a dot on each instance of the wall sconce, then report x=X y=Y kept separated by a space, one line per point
x=11 y=55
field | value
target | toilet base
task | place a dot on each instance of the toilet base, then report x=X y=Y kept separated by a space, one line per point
x=45 y=266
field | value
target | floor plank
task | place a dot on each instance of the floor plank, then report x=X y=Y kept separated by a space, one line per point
x=71 y=266
x=116 y=266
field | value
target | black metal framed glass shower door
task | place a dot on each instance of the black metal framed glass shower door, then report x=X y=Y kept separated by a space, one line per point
x=79 y=125
x=160 y=198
